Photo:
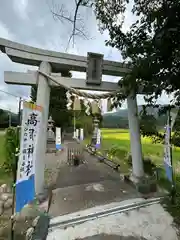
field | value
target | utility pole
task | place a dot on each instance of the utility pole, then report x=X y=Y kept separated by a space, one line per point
x=74 y=125
x=19 y=111
x=9 y=114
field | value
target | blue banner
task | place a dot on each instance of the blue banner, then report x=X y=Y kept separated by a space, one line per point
x=167 y=153
x=25 y=183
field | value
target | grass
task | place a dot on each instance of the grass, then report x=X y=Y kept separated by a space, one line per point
x=121 y=139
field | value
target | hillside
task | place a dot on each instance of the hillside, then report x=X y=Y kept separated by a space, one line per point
x=119 y=119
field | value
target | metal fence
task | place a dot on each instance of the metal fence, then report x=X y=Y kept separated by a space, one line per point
x=74 y=150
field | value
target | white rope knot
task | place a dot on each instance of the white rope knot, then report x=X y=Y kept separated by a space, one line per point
x=87 y=106
x=77 y=104
x=69 y=100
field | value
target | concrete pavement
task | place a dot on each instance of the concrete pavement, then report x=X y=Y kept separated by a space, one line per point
x=88 y=185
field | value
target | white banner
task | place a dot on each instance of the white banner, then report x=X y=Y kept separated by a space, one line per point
x=74 y=134
x=77 y=133
x=167 y=153
x=25 y=183
x=167 y=147
x=58 y=138
x=31 y=120
x=81 y=134
x=98 y=143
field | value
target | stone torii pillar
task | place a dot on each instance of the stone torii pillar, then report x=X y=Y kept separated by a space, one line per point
x=135 y=138
x=43 y=98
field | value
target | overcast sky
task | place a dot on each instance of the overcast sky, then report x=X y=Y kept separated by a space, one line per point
x=31 y=22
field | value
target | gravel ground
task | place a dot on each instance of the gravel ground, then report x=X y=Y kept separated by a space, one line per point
x=149 y=223
x=112 y=237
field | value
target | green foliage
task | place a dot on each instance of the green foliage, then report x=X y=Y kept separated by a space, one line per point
x=176 y=139
x=151 y=45
x=149 y=126
x=12 y=142
x=117 y=152
x=83 y=121
x=86 y=123
x=58 y=109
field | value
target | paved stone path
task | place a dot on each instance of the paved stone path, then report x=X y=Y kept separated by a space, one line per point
x=87 y=185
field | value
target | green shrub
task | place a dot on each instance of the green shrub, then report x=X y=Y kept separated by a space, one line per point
x=149 y=166
x=11 y=145
x=122 y=154
x=118 y=152
x=176 y=139
x=129 y=159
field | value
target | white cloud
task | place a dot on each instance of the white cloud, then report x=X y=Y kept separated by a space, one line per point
x=30 y=22
x=7 y=101
x=20 y=7
x=4 y=32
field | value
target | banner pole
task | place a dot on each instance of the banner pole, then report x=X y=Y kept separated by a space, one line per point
x=173 y=189
x=14 y=180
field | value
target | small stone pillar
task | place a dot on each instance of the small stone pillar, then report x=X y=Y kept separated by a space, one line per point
x=95 y=126
x=50 y=133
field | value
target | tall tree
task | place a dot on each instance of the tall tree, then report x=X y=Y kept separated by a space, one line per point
x=151 y=45
x=57 y=105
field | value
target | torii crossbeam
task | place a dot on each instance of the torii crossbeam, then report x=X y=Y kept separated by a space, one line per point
x=52 y=63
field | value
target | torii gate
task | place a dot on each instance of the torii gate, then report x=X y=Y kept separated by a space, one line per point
x=52 y=63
